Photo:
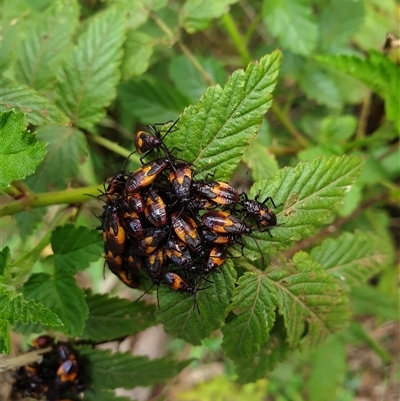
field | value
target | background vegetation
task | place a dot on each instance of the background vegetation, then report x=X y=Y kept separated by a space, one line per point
x=317 y=321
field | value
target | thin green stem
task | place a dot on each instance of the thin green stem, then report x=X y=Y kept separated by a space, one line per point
x=285 y=121
x=69 y=196
x=114 y=147
x=252 y=28
x=237 y=39
x=204 y=74
x=206 y=77
x=33 y=255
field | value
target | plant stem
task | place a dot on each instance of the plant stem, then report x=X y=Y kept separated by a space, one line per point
x=206 y=77
x=285 y=121
x=106 y=143
x=334 y=227
x=362 y=122
x=204 y=74
x=68 y=196
x=33 y=255
x=238 y=40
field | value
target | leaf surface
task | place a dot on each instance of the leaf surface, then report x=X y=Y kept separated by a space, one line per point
x=20 y=151
x=110 y=371
x=111 y=317
x=197 y=14
x=305 y=196
x=377 y=71
x=66 y=149
x=44 y=45
x=351 y=258
x=312 y=302
x=151 y=100
x=181 y=317
x=253 y=304
x=214 y=133
x=87 y=80
x=75 y=247
x=38 y=109
x=14 y=307
x=293 y=23
x=61 y=294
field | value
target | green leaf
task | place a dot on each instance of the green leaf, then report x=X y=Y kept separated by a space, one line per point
x=293 y=23
x=352 y=258
x=5 y=257
x=339 y=21
x=260 y=160
x=14 y=307
x=87 y=79
x=28 y=222
x=75 y=247
x=110 y=318
x=215 y=133
x=151 y=100
x=312 y=302
x=307 y=195
x=265 y=360
x=367 y=300
x=377 y=71
x=60 y=293
x=189 y=80
x=181 y=317
x=319 y=85
x=113 y=370
x=38 y=109
x=20 y=150
x=325 y=378
x=67 y=147
x=196 y=15
x=352 y=199
x=12 y=24
x=5 y=340
x=337 y=129
x=253 y=304
x=356 y=334
x=42 y=50
x=138 y=50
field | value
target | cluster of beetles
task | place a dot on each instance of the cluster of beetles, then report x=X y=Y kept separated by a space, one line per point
x=58 y=377
x=160 y=221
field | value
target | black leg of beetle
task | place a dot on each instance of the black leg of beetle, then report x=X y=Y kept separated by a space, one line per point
x=262 y=230
x=210 y=175
x=130 y=154
x=146 y=293
x=241 y=242
x=268 y=198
